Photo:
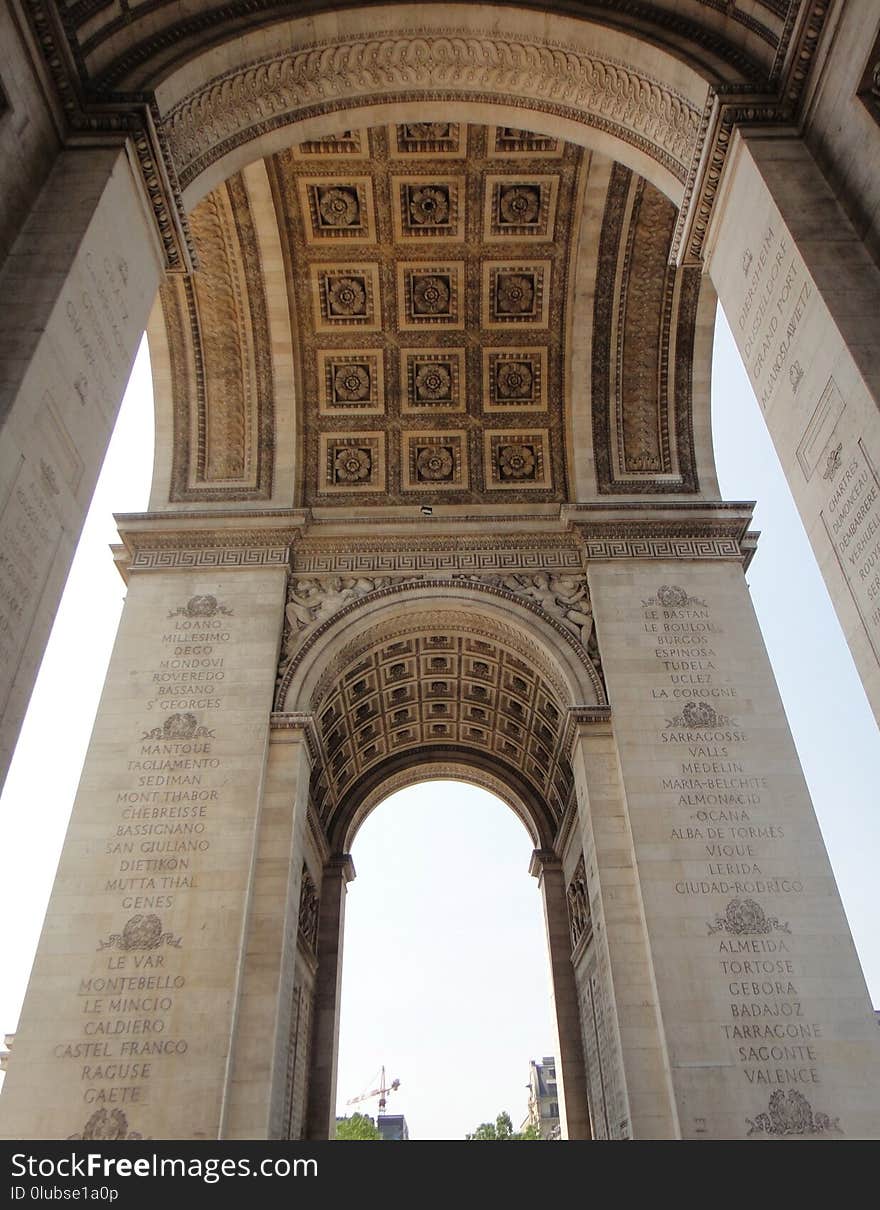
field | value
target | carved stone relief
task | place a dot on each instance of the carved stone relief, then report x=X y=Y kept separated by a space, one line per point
x=563 y=597
x=222 y=385
x=578 y=901
x=311 y=602
x=608 y=95
x=644 y=315
x=308 y=912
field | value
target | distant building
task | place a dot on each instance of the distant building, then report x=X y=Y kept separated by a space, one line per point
x=393 y=1128
x=543 y=1098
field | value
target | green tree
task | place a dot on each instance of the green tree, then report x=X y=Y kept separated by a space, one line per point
x=357 y=1128
x=501 y=1130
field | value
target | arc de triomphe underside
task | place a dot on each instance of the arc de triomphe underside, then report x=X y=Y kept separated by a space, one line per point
x=430 y=293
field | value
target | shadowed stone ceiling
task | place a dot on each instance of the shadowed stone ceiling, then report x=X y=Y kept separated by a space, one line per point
x=130 y=43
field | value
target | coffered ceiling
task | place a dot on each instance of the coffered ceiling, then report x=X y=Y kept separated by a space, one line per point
x=428 y=281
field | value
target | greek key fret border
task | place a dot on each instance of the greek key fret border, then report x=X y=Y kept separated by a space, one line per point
x=405 y=562
x=193 y=559
x=662 y=548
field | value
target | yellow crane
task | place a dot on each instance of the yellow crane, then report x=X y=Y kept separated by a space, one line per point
x=381 y=1092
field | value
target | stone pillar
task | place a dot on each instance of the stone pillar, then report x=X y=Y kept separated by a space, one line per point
x=629 y=1089
x=802 y=297
x=75 y=292
x=321 y=1123
x=267 y=1090
x=131 y=1012
x=766 y=1022
x=547 y=868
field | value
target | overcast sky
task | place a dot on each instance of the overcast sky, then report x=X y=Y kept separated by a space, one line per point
x=445 y=976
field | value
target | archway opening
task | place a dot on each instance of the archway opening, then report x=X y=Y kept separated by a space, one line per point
x=445 y=967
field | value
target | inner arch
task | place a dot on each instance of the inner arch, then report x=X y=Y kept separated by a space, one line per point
x=448 y=687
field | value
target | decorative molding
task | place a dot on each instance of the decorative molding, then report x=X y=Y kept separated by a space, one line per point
x=219 y=557
x=534 y=74
x=695 y=214
x=198 y=26
x=287 y=669
x=643 y=342
x=814 y=14
x=606 y=94
x=662 y=548
x=590 y=716
x=569 y=819
x=450 y=555
x=298 y=720
x=649 y=539
x=129 y=117
x=163 y=192
x=220 y=353
x=541 y=860
x=868 y=90
x=244 y=548
x=342 y=865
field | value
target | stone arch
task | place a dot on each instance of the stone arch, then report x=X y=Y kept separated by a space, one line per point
x=441 y=679
x=573 y=669
x=241 y=360
x=223 y=106
x=716 y=113
x=392 y=684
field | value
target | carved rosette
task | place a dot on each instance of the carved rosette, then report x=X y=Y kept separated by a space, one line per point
x=140 y=933
x=791 y=1114
x=746 y=918
x=203 y=606
x=107 y=1125
x=673 y=596
x=179 y=726
x=697 y=715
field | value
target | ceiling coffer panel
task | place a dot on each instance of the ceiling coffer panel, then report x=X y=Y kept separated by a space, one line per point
x=643 y=343
x=428 y=268
x=445 y=689
x=220 y=358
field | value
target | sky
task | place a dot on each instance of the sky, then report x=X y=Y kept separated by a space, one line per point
x=445 y=975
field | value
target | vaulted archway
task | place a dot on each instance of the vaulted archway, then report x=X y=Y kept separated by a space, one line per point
x=433 y=345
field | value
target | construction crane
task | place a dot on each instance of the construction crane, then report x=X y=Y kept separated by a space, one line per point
x=381 y=1092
